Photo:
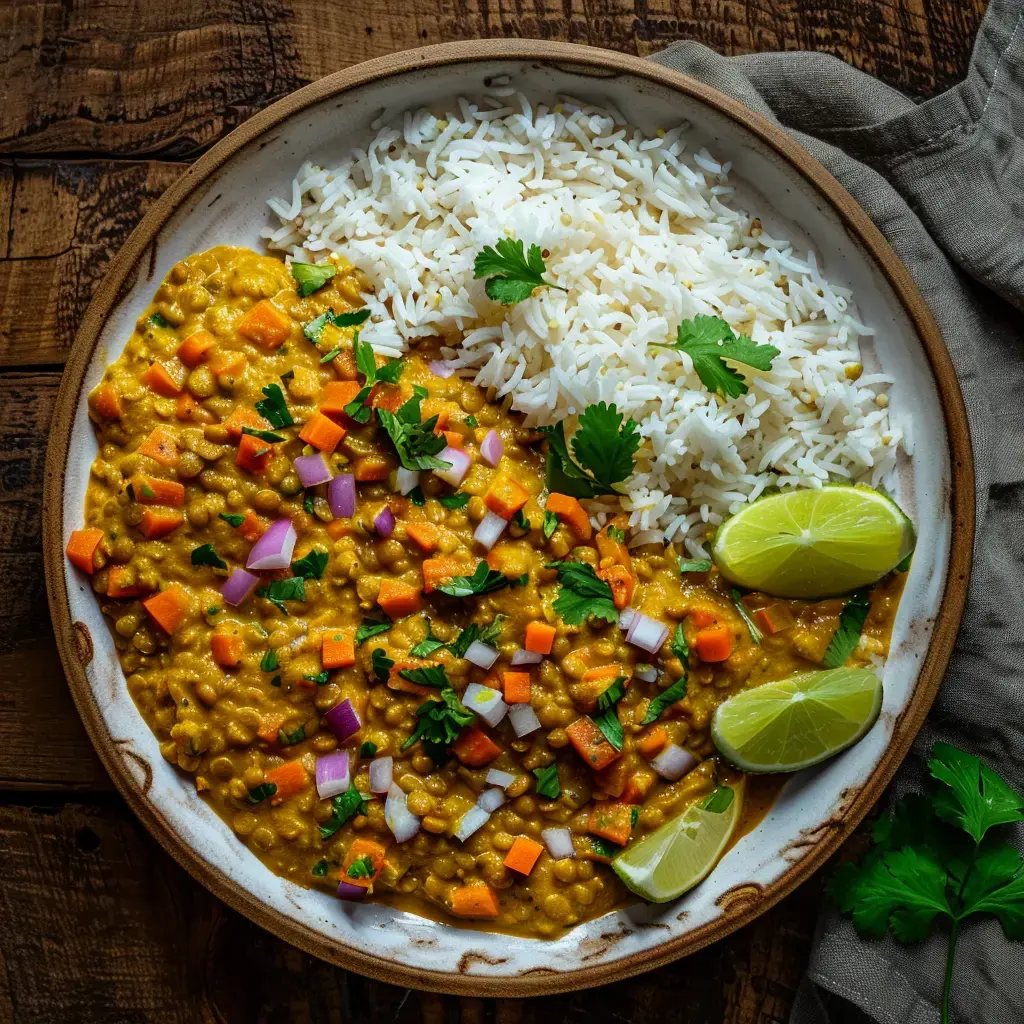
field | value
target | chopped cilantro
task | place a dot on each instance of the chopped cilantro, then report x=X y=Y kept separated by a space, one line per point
x=616 y=534
x=470 y=421
x=612 y=694
x=320 y=679
x=273 y=408
x=609 y=724
x=333 y=354
x=417 y=497
x=278 y=591
x=232 y=518
x=311 y=567
x=307 y=502
x=263 y=435
x=755 y=634
x=362 y=867
x=311 y=277
x=147 y=491
x=368 y=749
x=381 y=664
x=851 y=622
x=344 y=806
x=415 y=443
x=512 y=273
x=276 y=681
x=440 y=722
x=550 y=525
x=260 y=793
x=315 y=327
x=582 y=594
x=483 y=581
x=664 y=700
x=368 y=629
x=428 y=645
x=694 y=565
x=213 y=610
x=157 y=319
x=548 y=782
x=269 y=662
x=205 y=555
x=320 y=868
x=520 y=520
x=366 y=362
x=289 y=739
x=718 y=800
x=460 y=500
x=430 y=675
x=489 y=635
x=680 y=648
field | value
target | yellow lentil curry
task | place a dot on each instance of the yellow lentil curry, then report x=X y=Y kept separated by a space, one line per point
x=320 y=699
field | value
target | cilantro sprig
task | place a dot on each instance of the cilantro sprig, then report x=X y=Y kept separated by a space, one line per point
x=484 y=580
x=311 y=277
x=548 y=782
x=415 y=442
x=582 y=594
x=851 y=624
x=315 y=328
x=603 y=448
x=273 y=407
x=311 y=566
x=439 y=725
x=513 y=274
x=607 y=718
x=932 y=860
x=344 y=806
x=366 y=363
x=369 y=629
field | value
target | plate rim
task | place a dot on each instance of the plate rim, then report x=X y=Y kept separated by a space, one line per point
x=120 y=277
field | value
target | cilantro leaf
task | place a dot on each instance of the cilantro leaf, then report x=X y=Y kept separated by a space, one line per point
x=460 y=500
x=694 y=565
x=344 y=806
x=550 y=525
x=680 y=648
x=719 y=800
x=417 y=497
x=609 y=724
x=368 y=629
x=269 y=663
x=548 y=782
x=260 y=793
x=708 y=340
x=263 y=435
x=232 y=518
x=512 y=274
x=273 y=408
x=278 y=591
x=430 y=675
x=320 y=679
x=205 y=555
x=289 y=739
x=582 y=594
x=311 y=277
x=440 y=722
x=664 y=700
x=611 y=696
x=976 y=798
x=311 y=566
x=428 y=645
x=488 y=634
x=381 y=664
x=319 y=869
x=520 y=520
x=315 y=328
x=157 y=319
x=755 y=634
x=617 y=535
x=851 y=622
x=603 y=447
x=415 y=443
x=483 y=581
x=362 y=867
x=368 y=749
x=471 y=421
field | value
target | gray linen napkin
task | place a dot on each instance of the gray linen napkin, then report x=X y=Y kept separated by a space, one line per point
x=944 y=181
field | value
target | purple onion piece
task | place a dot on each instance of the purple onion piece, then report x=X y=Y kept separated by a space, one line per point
x=348 y=891
x=333 y=775
x=458 y=468
x=343 y=721
x=384 y=523
x=341 y=496
x=312 y=470
x=274 y=549
x=439 y=368
x=492 y=448
x=238 y=586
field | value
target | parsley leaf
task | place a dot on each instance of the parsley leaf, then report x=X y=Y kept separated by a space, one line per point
x=362 y=867
x=263 y=435
x=460 y=500
x=381 y=664
x=430 y=643
x=440 y=722
x=277 y=591
x=512 y=274
x=205 y=555
x=232 y=518
x=274 y=409
x=311 y=277
x=755 y=634
x=694 y=565
x=707 y=340
x=311 y=567
x=548 y=782
x=315 y=328
x=415 y=443
x=550 y=525
x=368 y=749
x=847 y=636
x=664 y=700
x=430 y=675
x=269 y=662
x=582 y=594
x=368 y=629
x=483 y=581
x=260 y=793
x=344 y=806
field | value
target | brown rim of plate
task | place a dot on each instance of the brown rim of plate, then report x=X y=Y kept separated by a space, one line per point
x=603 y=63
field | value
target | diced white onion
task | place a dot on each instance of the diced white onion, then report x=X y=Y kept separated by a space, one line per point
x=646 y=673
x=406 y=480
x=473 y=819
x=491 y=527
x=559 y=842
x=481 y=655
x=485 y=702
x=646 y=633
x=458 y=465
x=381 y=774
x=491 y=799
x=527 y=658
x=496 y=777
x=402 y=822
x=523 y=719
x=626 y=617
x=673 y=762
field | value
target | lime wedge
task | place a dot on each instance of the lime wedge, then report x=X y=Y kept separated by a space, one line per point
x=814 y=543
x=683 y=851
x=797 y=722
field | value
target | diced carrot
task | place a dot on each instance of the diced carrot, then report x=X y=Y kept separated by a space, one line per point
x=192 y=351
x=590 y=743
x=338 y=528
x=243 y=416
x=638 y=785
x=337 y=650
x=337 y=394
x=164 y=380
x=701 y=617
x=227 y=649
x=161 y=447
x=121 y=582
x=610 y=547
x=570 y=511
x=81 y=549
x=254 y=454
x=454 y=439
x=397 y=598
x=517 y=687
x=252 y=527
x=714 y=643
x=505 y=497
x=612 y=780
x=266 y=325
x=606 y=673
x=426 y=535
x=344 y=365
x=372 y=468
x=150 y=490
x=653 y=742
x=474 y=748
x=540 y=636
x=359 y=849
x=188 y=410
x=440 y=570
x=522 y=855
x=611 y=820
x=622 y=582
x=475 y=901
x=228 y=367
x=387 y=396
x=270 y=723
x=158 y=522
x=168 y=608
x=774 y=619
x=290 y=778
x=396 y=681
x=322 y=432
x=106 y=402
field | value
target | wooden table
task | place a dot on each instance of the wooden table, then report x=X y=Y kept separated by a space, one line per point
x=102 y=105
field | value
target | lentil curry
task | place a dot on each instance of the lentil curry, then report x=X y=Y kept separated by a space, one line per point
x=321 y=698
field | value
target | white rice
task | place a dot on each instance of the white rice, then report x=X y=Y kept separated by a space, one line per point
x=642 y=235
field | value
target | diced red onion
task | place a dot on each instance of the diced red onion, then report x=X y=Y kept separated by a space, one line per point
x=491 y=527
x=312 y=469
x=559 y=843
x=481 y=655
x=402 y=822
x=646 y=633
x=522 y=657
x=384 y=523
x=473 y=819
x=274 y=549
x=490 y=800
x=626 y=617
x=673 y=762
x=406 y=480
x=492 y=448
x=485 y=702
x=382 y=771
x=348 y=891
x=343 y=720
x=341 y=496
x=238 y=586
x=646 y=673
x=441 y=369
x=496 y=777
x=523 y=719
x=460 y=463
x=332 y=774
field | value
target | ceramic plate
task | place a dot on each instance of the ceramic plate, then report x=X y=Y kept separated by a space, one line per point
x=221 y=200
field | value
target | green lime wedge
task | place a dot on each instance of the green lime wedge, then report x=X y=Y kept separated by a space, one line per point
x=815 y=542
x=797 y=722
x=683 y=851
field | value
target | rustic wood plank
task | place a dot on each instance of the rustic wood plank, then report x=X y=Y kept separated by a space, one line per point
x=171 y=79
